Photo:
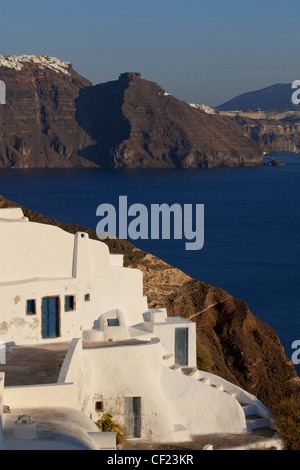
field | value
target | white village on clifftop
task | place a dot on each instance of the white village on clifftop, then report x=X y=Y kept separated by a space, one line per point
x=78 y=341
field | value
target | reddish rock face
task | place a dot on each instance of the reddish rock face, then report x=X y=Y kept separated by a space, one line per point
x=135 y=123
x=167 y=132
x=37 y=125
x=268 y=116
x=274 y=131
x=56 y=119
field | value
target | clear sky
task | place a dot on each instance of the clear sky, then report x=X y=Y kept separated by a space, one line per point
x=199 y=51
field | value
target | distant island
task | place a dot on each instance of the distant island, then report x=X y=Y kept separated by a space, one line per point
x=274 y=97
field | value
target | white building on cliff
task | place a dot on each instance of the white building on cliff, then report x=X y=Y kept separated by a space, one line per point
x=66 y=294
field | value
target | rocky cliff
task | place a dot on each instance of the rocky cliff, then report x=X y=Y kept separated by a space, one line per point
x=267 y=116
x=55 y=118
x=37 y=125
x=138 y=124
x=274 y=131
x=245 y=350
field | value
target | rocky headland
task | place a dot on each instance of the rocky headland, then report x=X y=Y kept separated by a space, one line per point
x=244 y=349
x=53 y=117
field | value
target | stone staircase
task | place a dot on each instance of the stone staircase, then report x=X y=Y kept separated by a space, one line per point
x=257 y=416
x=255 y=420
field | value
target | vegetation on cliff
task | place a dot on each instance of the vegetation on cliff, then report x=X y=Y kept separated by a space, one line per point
x=287 y=419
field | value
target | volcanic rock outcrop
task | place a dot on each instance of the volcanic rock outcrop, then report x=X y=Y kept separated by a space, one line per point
x=151 y=128
x=244 y=349
x=55 y=118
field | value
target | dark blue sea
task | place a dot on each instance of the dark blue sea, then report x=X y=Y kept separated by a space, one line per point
x=251 y=224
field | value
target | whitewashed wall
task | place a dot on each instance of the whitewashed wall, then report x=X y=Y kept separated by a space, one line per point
x=168 y=398
x=201 y=409
x=72 y=372
x=112 y=373
x=40 y=261
x=35 y=396
x=164 y=329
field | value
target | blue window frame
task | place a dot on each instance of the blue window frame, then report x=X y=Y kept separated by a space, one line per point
x=113 y=322
x=87 y=297
x=69 y=303
x=30 y=307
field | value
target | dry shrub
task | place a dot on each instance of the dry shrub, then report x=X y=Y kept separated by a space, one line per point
x=287 y=419
x=204 y=358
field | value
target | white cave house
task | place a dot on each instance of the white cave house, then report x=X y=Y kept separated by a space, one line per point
x=121 y=357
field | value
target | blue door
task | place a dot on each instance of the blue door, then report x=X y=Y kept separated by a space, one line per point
x=132 y=414
x=50 y=317
x=181 y=346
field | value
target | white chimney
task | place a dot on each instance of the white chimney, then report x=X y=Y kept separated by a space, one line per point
x=25 y=428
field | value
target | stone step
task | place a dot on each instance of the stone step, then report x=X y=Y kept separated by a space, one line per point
x=176 y=368
x=204 y=381
x=255 y=421
x=249 y=409
x=187 y=370
x=218 y=387
x=168 y=360
x=190 y=372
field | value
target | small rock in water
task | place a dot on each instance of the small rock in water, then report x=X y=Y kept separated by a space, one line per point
x=275 y=162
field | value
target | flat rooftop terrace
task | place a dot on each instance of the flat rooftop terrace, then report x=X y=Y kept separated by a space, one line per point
x=33 y=365
x=41 y=364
